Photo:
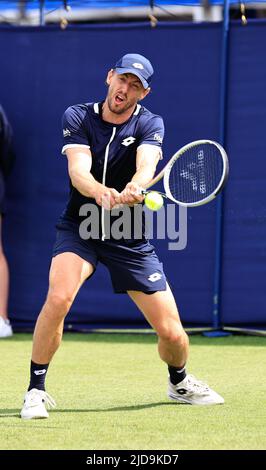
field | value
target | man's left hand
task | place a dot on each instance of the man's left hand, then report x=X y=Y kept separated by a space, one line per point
x=131 y=194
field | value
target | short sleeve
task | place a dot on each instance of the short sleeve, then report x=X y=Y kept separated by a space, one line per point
x=74 y=131
x=152 y=132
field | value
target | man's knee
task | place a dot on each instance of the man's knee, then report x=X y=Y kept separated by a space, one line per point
x=59 y=302
x=171 y=334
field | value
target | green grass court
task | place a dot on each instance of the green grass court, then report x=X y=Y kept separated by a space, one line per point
x=111 y=394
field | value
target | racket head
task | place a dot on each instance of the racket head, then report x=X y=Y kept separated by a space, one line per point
x=196 y=173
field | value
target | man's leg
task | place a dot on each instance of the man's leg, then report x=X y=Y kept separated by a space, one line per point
x=5 y=327
x=67 y=273
x=161 y=312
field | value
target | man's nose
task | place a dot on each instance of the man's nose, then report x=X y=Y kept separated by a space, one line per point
x=124 y=87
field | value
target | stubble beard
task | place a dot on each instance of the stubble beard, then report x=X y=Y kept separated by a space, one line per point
x=119 y=110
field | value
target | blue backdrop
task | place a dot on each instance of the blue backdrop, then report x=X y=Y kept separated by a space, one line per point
x=43 y=71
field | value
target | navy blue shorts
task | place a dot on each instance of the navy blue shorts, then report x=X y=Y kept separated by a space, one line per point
x=131 y=266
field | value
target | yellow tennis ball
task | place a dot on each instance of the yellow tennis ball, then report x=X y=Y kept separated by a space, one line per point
x=154 y=201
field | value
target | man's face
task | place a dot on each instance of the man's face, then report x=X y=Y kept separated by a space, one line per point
x=125 y=90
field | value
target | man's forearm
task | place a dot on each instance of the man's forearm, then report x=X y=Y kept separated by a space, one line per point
x=85 y=184
x=143 y=176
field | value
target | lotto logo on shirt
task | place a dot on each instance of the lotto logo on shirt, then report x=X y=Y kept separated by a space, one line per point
x=128 y=141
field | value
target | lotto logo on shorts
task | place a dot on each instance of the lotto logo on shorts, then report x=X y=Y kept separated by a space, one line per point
x=154 y=277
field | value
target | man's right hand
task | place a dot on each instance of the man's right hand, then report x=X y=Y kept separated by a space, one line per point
x=106 y=197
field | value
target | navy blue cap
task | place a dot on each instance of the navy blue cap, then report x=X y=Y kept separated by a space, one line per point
x=138 y=65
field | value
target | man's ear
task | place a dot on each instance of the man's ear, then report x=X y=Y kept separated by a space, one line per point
x=145 y=93
x=109 y=76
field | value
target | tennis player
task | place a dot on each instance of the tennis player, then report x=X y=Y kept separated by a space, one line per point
x=112 y=149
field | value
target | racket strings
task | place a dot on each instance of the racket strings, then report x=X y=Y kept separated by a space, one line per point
x=196 y=174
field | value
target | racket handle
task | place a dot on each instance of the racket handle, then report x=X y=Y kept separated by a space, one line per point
x=145 y=192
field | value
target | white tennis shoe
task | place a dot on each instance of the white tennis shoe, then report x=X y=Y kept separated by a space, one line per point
x=193 y=392
x=5 y=328
x=34 y=404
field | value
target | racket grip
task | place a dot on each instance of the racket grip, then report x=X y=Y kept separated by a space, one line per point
x=144 y=191
x=147 y=191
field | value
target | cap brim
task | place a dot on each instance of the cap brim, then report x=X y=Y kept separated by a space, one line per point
x=121 y=70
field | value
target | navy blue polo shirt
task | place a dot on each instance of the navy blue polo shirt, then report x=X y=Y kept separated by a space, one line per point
x=113 y=147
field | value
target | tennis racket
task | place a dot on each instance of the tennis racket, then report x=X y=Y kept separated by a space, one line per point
x=195 y=174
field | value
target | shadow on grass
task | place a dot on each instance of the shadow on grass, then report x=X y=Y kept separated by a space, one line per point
x=137 y=338
x=115 y=408
x=9 y=413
